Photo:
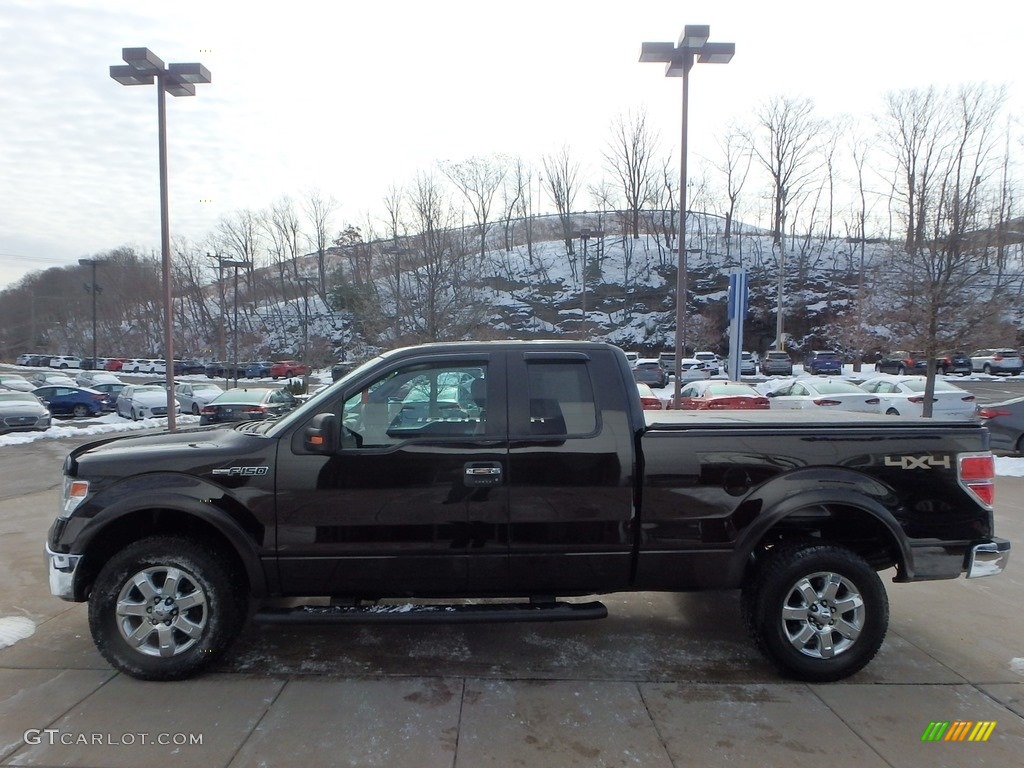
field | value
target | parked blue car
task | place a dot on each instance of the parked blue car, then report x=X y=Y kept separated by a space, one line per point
x=259 y=369
x=74 y=401
x=819 y=363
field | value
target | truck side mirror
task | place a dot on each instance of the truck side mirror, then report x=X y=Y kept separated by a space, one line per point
x=321 y=434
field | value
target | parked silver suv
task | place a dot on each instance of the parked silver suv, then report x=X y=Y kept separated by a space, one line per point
x=776 y=363
x=1003 y=360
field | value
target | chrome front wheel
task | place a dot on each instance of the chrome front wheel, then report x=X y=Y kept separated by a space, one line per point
x=165 y=608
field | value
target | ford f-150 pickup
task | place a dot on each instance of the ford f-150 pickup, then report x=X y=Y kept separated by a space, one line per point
x=521 y=472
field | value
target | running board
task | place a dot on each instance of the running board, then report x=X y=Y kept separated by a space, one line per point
x=457 y=613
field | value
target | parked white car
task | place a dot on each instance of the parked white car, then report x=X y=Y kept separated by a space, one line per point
x=692 y=369
x=193 y=395
x=65 y=361
x=143 y=401
x=1003 y=360
x=820 y=394
x=710 y=360
x=904 y=396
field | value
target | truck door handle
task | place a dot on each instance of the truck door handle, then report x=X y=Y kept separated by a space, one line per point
x=482 y=474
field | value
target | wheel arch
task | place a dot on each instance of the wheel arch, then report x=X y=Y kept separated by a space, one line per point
x=170 y=516
x=833 y=516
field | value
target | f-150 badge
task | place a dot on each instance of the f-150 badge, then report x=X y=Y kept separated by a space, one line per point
x=243 y=471
x=918 y=462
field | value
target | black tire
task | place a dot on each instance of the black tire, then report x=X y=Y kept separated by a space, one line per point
x=80 y=411
x=900 y=370
x=195 y=409
x=835 y=634
x=135 y=415
x=892 y=412
x=198 y=620
x=987 y=369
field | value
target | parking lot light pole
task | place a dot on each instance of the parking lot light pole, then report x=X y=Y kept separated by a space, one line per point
x=679 y=59
x=234 y=343
x=143 y=67
x=93 y=289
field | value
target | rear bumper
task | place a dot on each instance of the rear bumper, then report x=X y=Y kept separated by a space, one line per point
x=987 y=559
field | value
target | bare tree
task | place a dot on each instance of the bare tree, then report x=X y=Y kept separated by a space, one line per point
x=478 y=179
x=629 y=156
x=829 y=148
x=784 y=142
x=561 y=176
x=318 y=212
x=442 y=295
x=513 y=196
x=942 y=262
x=736 y=159
x=913 y=129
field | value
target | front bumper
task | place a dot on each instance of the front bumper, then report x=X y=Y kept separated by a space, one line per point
x=987 y=559
x=61 y=570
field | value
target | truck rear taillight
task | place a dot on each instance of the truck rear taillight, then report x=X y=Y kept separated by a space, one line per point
x=976 y=473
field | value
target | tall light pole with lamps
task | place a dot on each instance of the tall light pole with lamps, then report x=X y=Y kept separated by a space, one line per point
x=143 y=67
x=679 y=59
x=93 y=288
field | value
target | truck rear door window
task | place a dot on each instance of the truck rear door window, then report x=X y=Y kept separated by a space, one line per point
x=561 y=398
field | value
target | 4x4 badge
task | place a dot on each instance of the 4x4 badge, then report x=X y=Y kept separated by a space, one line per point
x=918 y=462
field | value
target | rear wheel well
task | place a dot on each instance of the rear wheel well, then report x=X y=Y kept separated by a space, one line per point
x=844 y=526
x=148 y=523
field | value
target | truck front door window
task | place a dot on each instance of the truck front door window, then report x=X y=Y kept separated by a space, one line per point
x=419 y=401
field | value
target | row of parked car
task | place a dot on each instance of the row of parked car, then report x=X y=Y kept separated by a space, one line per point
x=990 y=361
x=29 y=404
x=258 y=369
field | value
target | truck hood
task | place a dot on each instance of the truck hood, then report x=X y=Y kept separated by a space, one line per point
x=184 y=451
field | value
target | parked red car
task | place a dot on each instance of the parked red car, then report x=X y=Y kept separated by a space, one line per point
x=648 y=400
x=114 y=363
x=287 y=368
x=721 y=395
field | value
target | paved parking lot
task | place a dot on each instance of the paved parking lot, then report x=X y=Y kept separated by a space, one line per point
x=666 y=680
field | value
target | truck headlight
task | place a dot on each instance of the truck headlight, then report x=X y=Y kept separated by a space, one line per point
x=74 y=493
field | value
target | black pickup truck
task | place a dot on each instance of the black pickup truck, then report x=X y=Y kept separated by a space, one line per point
x=519 y=472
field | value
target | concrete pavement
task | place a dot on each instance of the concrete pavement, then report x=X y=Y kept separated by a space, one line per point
x=666 y=680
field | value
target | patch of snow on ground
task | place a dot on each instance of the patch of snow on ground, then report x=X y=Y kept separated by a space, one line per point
x=15 y=628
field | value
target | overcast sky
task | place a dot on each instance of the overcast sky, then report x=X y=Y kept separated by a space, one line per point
x=350 y=98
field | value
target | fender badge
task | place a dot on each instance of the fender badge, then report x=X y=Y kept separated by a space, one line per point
x=242 y=471
x=918 y=462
